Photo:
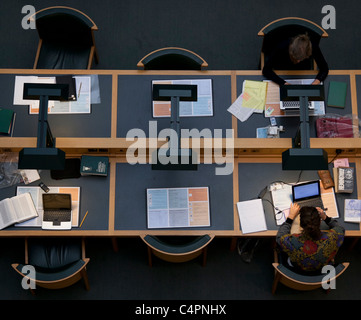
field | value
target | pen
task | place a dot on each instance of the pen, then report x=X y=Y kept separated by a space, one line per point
x=79 y=89
x=83 y=219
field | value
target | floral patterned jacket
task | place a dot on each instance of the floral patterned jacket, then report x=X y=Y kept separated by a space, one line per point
x=308 y=254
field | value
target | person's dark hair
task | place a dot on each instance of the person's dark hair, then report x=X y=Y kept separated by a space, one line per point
x=300 y=48
x=310 y=222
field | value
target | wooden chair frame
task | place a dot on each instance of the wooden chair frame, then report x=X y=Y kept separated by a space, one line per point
x=280 y=277
x=93 y=55
x=177 y=257
x=141 y=64
x=61 y=283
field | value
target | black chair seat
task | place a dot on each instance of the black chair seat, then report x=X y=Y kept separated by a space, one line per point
x=66 y=39
x=53 y=254
x=177 y=246
x=172 y=58
x=63 y=56
x=309 y=279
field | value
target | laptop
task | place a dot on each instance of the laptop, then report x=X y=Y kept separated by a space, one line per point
x=57 y=211
x=307 y=194
x=292 y=106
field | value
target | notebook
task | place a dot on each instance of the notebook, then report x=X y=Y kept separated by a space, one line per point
x=337 y=92
x=57 y=211
x=307 y=194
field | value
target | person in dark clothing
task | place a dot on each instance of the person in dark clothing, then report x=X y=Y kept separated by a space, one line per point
x=295 y=54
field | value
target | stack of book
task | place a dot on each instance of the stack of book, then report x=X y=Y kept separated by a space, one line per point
x=343 y=176
x=7 y=122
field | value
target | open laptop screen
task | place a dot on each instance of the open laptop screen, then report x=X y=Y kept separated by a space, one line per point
x=306 y=190
x=56 y=201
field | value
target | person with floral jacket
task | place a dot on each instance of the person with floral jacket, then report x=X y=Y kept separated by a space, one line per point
x=311 y=249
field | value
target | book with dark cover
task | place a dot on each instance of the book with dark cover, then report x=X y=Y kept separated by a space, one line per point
x=337 y=94
x=7 y=121
x=344 y=179
x=94 y=165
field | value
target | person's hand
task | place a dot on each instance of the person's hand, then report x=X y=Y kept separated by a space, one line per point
x=294 y=211
x=322 y=213
x=316 y=81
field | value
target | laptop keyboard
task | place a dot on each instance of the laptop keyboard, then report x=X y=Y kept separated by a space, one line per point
x=294 y=104
x=57 y=215
x=311 y=203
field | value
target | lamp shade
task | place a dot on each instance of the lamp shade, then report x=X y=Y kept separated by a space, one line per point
x=41 y=158
x=304 y=159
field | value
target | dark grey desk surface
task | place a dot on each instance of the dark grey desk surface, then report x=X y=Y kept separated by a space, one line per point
x=253 y=177
x=135 y=104
x=95 y=124
x=94 y=197
x=133 y=180
x=248 y=128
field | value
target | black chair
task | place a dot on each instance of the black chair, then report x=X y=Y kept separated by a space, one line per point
x=177 y=249
x=66 y=39
x=58 y=263
x=172 y=58
x=281 y=29
x=301 y=282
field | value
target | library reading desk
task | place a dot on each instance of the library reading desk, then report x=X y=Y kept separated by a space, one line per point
x=116 y=204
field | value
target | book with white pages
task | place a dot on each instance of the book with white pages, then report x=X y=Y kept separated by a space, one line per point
x=16 y=209
x=251 y=216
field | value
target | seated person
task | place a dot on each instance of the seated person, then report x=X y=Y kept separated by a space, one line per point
x=294 y=54
x=309 y=251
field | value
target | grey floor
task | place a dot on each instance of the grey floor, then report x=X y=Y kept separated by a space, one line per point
x=225 y=34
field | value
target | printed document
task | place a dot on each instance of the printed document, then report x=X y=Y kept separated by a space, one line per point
x=251 y=100
x=178 y=207
x=81 y=105
x=203 y=107
x=251 y=216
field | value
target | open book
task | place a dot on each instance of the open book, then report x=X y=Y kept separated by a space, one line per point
x=16 y=209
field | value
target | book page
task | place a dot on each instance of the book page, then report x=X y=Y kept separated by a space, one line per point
x=24 y=207
x=7 y=213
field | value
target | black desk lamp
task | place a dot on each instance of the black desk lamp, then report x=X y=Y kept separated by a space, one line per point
x=301 y=156
x=45 y=155
x=174 y=158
